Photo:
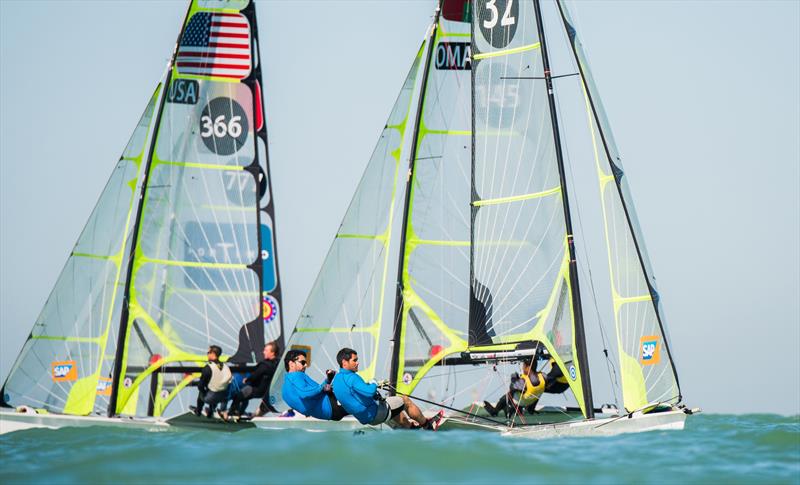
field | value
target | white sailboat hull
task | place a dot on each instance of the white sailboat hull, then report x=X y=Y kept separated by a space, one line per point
x=635 y=423
x=10 y=421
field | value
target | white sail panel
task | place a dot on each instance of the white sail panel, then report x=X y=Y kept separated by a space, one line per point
x=434 y=318
x=346 y=304
x=63 y=361
x=646 y=367
x=520 y=286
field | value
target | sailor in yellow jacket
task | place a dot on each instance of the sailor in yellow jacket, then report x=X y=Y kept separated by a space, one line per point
x=523 y=393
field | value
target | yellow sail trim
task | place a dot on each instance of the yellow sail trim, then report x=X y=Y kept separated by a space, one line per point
x=205 y=166
x=142 y=259
x=517 y=198
x=162 y=403
x=507 y=52
x=373 y=329
x=90 y=340
x=634 y=392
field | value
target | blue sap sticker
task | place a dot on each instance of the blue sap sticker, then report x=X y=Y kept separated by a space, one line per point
x=650 y=346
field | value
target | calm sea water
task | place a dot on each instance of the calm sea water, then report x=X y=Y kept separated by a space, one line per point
x=712 y=449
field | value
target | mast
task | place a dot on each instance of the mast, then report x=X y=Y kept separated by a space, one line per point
x=398 y=304
x=580 y=334
x=123 y=321
x=653 y=295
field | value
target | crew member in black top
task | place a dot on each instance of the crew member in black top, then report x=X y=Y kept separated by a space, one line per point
x=257 y=384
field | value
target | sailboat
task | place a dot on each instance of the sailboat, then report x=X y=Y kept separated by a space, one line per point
x=464 y=214
x=178 y=254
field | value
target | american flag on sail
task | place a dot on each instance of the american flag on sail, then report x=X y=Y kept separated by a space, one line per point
x=215 y=44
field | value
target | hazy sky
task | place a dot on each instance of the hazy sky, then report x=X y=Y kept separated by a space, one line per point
x=703 y=97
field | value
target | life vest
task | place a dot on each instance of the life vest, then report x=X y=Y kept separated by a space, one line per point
x=532 y=393
x=220 y=378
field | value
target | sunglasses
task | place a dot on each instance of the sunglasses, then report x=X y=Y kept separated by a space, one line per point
x=302 y=362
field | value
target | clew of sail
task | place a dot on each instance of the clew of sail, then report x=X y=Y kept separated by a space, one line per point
x=433 y=309
x=204 y=268
x=520 y=253
x=345 y=307
x=647 y=371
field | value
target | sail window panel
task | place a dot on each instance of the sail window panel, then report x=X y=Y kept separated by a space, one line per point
x=104 y=232
x=209 y=123
x=646 y=367
x=197 y=306
x=347 y=292
x=514 y=148
x=47 y=370
x=368 y=214
x=502 y=25
x=136 y=144
x=518 y=252
x=440 y=209
x=200 y=215
x=439 y=275
x=626 y=269
x=79 y=304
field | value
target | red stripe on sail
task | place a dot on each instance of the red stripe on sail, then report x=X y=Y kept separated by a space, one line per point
x=213 y=54
x=259 y=108
x=211 y=65
x=223 y=45
x=228 y=24
x=233 y=36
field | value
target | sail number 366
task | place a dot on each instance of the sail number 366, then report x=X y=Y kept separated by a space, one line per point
x=219 y=128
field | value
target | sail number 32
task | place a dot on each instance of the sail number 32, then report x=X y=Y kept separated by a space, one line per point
x=507 y=19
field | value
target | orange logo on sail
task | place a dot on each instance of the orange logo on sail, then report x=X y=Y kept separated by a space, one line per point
x=65 y=371
x=104 y=386
x=651 y=350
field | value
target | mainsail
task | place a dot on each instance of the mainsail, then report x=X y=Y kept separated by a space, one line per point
x=179 y=252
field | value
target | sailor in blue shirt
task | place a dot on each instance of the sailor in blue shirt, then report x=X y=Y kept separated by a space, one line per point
x=363 y=401
x=306 y=396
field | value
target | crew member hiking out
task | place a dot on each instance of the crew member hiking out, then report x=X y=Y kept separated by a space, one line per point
x=306 y=396
x=213 y=385
x=366 y=404
x=256 y=386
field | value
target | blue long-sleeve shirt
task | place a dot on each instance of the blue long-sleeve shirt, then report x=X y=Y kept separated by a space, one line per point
x=306 y=396
x=355 y=395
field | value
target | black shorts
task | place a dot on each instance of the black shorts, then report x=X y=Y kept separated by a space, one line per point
x=337 y=411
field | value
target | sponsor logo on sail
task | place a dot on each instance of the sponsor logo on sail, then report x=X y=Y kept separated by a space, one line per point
x=651 y=350
x=104 y=386
x=65 y=371
x=573 y=374
x=453 y=56
x=407 y=378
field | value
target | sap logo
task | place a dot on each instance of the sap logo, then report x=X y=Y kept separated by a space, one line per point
x=650 y=350
x=453 y=56
x=104 y=386
x=183 y=91
x=64 y=371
